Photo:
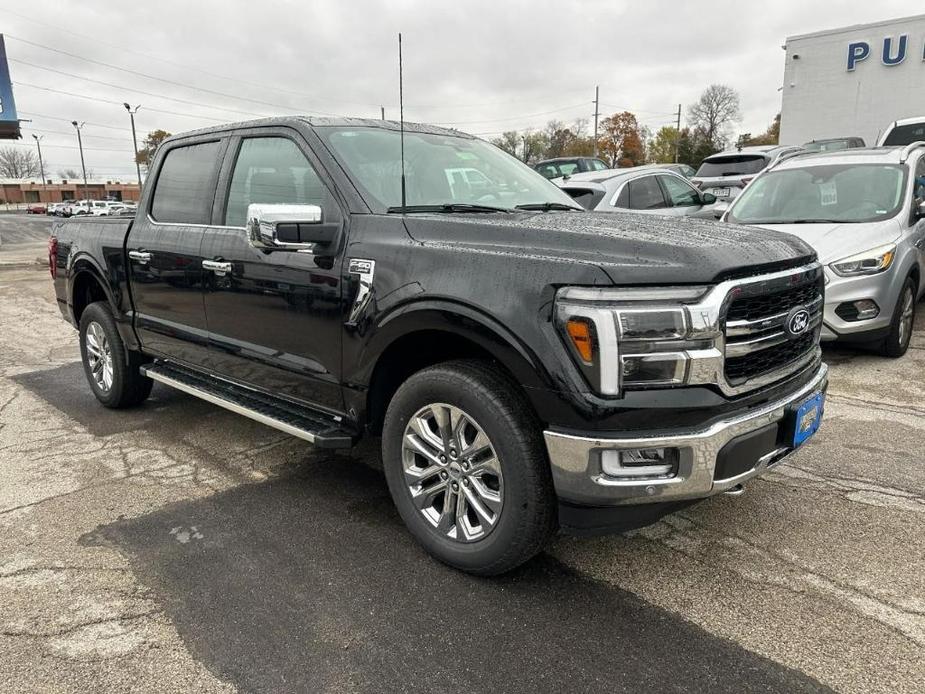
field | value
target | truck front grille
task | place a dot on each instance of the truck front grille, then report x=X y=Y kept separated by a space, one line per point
x=757 y=340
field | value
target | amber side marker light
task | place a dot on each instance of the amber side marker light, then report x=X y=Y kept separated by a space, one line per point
x=580 y=333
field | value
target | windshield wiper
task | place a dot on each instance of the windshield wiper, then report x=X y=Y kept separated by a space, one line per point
x=446 y=207
x=546 y=206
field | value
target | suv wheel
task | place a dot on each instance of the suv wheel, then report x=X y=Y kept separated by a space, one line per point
x=903 y=322
x=114 y=377
x=467 y=469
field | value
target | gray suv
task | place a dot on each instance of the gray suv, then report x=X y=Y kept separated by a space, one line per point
x=726 y=174
x=863 y=211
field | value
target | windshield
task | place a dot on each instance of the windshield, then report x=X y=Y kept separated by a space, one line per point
x=439 y=170
x=905 y=134
x=733 y=165
x=829 y=193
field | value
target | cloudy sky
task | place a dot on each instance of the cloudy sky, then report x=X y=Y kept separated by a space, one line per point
x=481 y=66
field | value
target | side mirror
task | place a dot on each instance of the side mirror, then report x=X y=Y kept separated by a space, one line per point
x=920 y=210
x=287 y=227
x=707 y=199
x=720 y=210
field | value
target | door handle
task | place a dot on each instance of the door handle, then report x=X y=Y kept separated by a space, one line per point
x=217 y=266
x=140 y=256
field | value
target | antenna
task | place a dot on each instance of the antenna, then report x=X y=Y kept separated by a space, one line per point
x=401 y=122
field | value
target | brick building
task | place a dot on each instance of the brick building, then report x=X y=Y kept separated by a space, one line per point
x=16 y=192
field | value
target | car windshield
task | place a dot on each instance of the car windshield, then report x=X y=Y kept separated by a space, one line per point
x=827 y=145
x=731 y=165
x=439 y=170
x=828 y=193
x=905 y=135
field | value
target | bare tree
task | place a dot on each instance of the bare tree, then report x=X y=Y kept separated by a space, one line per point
x=716 y=110
x=19 y=163
x=508 y=141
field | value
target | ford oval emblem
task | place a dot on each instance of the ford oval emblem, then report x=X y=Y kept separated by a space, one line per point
x=797 y=322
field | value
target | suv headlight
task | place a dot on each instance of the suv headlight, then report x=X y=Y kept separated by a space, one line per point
x=869 y=262
x=631 y=338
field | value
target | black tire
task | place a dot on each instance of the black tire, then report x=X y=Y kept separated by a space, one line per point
x=528 y=515
x=897 y=341
x=128 y=387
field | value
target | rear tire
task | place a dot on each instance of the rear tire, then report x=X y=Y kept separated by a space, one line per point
x=902 y=323
x=111 y=370
x=503 y=509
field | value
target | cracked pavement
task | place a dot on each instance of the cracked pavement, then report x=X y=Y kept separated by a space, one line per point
x=177 y=547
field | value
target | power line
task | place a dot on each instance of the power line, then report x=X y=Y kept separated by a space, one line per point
x=86 y=149
x=70 y=133
x=68 y=120
x=497 y=120
x=152 y=77
x=137 y=91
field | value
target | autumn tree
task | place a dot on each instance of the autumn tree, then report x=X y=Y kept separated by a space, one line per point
x=714 y=113
x=19 y=163
x=535 y=146
x=150 y=144
x=771 y=136
x=661 y=148
x=694 y=145
x=621 y=141
x=509 y=141
x=568 y=141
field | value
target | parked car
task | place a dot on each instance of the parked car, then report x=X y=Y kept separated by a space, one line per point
x=727 y=173
x=640 y=189
x=77 y=208
x=36 y=208
x=833 y=144
x=478 y=336
x=568 y=166
x=863 y=210
x=53 y=208
x=683 y=169
x=903 y=132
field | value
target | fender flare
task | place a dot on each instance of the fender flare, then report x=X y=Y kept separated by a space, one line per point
x=460 y=319
x=86 y=264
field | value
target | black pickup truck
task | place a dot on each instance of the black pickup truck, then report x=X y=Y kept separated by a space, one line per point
x=528 y=365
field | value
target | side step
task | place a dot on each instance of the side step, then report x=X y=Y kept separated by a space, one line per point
x=315 y=427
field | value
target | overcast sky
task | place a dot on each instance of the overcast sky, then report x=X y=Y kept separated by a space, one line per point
x=480 y=66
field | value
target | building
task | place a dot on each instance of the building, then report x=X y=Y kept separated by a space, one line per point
x=16 y=192
x=853 y=81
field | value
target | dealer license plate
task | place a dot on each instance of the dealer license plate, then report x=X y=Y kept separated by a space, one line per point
x=808 y=419
x=721 y=192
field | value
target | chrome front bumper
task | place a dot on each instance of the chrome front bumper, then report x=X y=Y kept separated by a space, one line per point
x=579 y=478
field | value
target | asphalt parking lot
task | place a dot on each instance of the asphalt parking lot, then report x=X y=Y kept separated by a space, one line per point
x=179 y=547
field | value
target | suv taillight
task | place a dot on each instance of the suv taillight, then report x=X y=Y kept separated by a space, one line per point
x=53 y=256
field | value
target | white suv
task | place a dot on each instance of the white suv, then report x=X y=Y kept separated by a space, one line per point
x=903 y=132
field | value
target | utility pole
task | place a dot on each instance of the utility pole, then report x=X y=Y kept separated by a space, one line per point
x=383 y=112
x=677 y=140
x=131 y=114
x=83 y=166
x=38 y=144
x=597 y=112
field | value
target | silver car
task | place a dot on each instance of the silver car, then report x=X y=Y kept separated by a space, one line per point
x=863 y=211
x=640 y=189
x=726 y=174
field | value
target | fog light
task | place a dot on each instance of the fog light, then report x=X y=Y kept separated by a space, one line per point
x=866 y=308
x=640 y=463
x=655 y=369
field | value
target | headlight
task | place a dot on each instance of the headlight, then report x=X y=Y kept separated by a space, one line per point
x=630 y=338
x=867 y=263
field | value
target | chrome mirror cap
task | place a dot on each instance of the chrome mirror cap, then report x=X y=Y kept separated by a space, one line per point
x=263 y=219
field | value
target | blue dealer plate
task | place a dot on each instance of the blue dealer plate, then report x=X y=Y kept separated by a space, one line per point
x=808 y=418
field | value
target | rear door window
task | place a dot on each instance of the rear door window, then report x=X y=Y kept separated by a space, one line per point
x=645 y=194
x=905 y=134
x=733 y=165
x=185 y=186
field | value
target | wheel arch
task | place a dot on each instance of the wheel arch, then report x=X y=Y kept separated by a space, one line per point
x=427 y=333
x=86 y=285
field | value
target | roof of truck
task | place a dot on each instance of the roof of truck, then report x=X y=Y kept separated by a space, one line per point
x=323 y=122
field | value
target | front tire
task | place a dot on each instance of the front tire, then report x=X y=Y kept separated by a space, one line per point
x=903 y=322
x=467 y=469
x=111 y=370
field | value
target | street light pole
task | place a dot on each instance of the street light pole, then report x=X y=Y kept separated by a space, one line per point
x=131 y=114
x=38 y=143
x=83 y=167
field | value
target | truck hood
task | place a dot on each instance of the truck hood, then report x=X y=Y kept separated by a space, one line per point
x=836 y=241
x=629 y=248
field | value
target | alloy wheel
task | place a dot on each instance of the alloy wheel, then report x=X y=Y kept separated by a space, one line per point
x=99 y=356
x=452 y=472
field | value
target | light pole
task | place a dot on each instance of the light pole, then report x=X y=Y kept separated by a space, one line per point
x=131 y=114
x=83 y=167
x=38 y=143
